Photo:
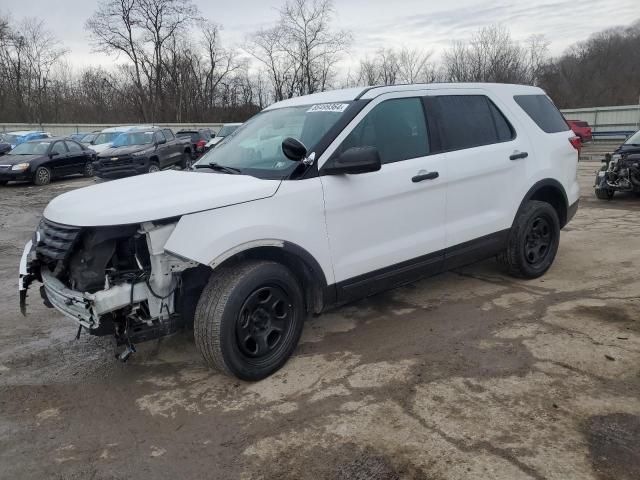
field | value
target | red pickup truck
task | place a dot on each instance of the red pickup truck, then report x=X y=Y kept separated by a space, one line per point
x=581 y=129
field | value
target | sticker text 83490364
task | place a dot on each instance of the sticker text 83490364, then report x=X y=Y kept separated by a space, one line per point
x=329 y=107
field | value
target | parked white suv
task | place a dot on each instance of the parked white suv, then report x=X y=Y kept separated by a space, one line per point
x=316 y=201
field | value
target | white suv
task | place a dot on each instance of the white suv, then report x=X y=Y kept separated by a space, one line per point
x=316 y=201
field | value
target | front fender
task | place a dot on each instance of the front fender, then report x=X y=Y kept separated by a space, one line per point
x=293 y=216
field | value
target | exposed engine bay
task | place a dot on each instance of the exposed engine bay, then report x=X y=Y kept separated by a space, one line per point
x=114 y=280
x=621 y=173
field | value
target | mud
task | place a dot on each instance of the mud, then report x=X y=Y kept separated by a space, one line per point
x=467 y=375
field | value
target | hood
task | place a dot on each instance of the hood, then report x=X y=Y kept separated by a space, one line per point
x=101 y=147
x=155 y=196
x=628 y=148
x=126 y=150
x=15 y=159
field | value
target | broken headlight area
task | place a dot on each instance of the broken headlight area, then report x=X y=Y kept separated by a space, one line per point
x=114 y=280
x=621 y=174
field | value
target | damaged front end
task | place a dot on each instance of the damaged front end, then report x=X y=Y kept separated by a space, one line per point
x=115 y=280
x=621 y=173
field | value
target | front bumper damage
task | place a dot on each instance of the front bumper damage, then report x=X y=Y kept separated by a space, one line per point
x=148 y=304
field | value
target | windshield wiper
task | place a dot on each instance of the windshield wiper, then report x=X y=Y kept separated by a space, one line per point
x=219 y=168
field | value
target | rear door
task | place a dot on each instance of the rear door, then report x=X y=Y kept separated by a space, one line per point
x=77 y=157
x=485 y=163
x=386 y=227
x=59 y=162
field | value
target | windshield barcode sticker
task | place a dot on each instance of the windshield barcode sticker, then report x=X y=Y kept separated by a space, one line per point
x=329 y=107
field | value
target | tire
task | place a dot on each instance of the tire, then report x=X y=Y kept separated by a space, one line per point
x=248 y=300
x=153 y=167
x=604 y=193
x=42 y=176
x=3 y=183
x=533 y=241
x=88 y=170
x=187 y=160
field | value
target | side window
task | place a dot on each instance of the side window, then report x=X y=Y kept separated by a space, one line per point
x=59 y=148
x=503 y=127
x=160 y=136
x=542 y=111
x=397 y=128
x=168 y=134
x=467 y=121
x=73 y=147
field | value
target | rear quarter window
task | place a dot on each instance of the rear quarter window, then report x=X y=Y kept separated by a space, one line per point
x=543 y=112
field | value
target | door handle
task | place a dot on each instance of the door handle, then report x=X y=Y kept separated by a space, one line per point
x=425 y=176
x=518 y=155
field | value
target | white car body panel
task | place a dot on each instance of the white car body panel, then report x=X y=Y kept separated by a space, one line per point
x=482 y=182
x=295 y=214
x=213 y=142
x=154 y=196
x=382 y=218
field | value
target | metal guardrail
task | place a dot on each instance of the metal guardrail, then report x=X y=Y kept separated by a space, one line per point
x=61 y=129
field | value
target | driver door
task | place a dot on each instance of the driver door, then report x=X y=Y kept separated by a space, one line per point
x=386 y=228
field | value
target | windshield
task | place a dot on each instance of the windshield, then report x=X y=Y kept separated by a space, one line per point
x=31 y=148
x=106 y=138
x=256 y=148
x=88 y=138
x=12 y=139
x=634 y=139
x=133 y=138
x=227 y=130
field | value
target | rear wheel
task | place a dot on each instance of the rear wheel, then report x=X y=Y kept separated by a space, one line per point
x=187 y=160
x=249 y=319
x=88 y=170
x=42 y=176
x=533 y=241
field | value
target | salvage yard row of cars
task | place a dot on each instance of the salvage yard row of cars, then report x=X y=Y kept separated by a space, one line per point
x=116 y=152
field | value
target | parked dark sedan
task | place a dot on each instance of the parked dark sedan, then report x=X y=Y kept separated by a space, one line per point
x=39 y=161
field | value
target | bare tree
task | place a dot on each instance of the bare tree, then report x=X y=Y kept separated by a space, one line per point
x=490 y=56
x=414 y=66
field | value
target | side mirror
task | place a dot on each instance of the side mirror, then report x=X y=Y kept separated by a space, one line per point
x=53 y=154
x=294 y=149
x=353 y=161
x=161 y=141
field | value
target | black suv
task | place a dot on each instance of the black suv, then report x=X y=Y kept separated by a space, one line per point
x=146 y=150
x=198 y=139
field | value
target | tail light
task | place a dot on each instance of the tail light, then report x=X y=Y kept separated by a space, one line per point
x=576 y=143
x=200 y=145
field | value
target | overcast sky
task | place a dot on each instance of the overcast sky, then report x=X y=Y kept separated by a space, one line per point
x=432 y=24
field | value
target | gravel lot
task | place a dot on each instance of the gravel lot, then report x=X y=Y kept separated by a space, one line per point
x=467 y=375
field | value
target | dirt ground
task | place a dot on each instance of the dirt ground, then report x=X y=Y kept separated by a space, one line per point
x=467 y=375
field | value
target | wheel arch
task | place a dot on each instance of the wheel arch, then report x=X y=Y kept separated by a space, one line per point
x=552 y=192
x=301 y=263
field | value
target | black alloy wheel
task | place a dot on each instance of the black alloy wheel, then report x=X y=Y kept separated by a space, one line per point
x=538 y=241
x=264 y=320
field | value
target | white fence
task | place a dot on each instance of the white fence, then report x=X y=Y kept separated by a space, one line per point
x=62 y=129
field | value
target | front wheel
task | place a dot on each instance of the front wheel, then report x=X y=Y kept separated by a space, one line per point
x=249 y=319
x=533 y=241
x=604 y=193
x=153 y=167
